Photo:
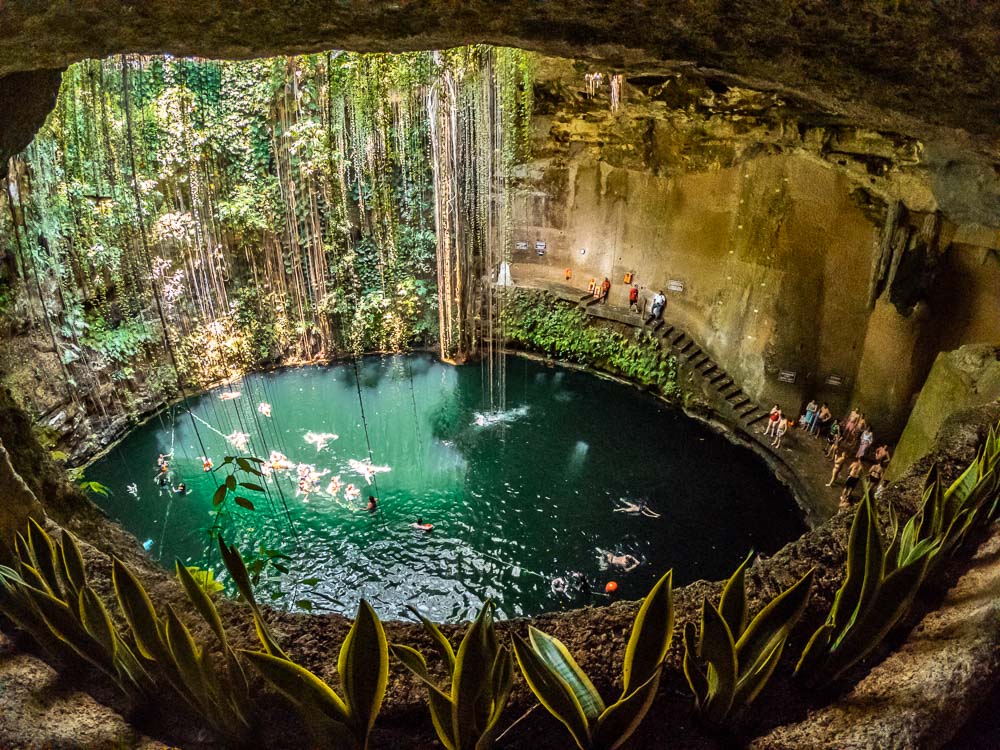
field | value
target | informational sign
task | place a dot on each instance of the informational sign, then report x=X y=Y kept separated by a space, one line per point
x=786 y=376
x=520 y=245
x=835 y=380
x=540 y=247
x=675 y=285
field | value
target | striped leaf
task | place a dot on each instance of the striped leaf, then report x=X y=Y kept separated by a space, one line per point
x=364 y=670
x=555 y=695
x=651 y=634
x=620 y=720
x=438 y=702
x=733 y=604
x=719 y=652
x=558 y=659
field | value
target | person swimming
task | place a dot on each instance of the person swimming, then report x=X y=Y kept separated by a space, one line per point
x=181 y=489
x=264 y=409
x=206 y=463
x=351 y=492
x=626 y=562
x=559 y=586
x=635 y=509
x=372 y=504
x=229 y=395
x=421 y=525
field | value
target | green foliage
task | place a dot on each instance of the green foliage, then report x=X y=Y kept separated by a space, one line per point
x=204 y=579
x=539 y=322
x=46 y=594
x=481 y=675
x=363 y=666
x=566 y=692
x=877 y=592
x=728 y=661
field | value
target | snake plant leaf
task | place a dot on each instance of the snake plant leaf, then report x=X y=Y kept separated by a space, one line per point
x=773 y=624
x=503 y=681
x=816 y=652
x=439 y=703
x=72 y=563
x=651 y=634
x=957 y=494
x=33 y=578
x=552 y=691
x=201 y=601
x=139 y=613
x=233 y=561
x=893 y=601
x=733 y=604
x=306 y=691
x=432 y=630
x=97 y=622
x=695 y=675
x=864 y=563
x=470 y=679
x=363 y=666
x=754 y=679
x=186 y=659
x=620 y=720
x=719 y=652
x=43 y=554
x=557 y=658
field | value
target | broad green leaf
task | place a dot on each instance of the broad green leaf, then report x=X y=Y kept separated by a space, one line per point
x=238 y=571
x=733 y=604
x=695 y=675
x=244 y=503
x=651 y=634
x=447 y=652
x=817 y=651
x=552 y=692
x=43 y=553
x=471 y=678
x=139 y=613
x=201 y=601
x=186 y=658
x=558 y=659
x=754 y=680
x=231 y=483
x=719 y=652
x=620 y=720
x=438 y=702
x=251 y=486
x=503 y=681
x=305 y=690
x=72 y=562
x=773 y=624
x=219 y=496
x=97 y=622
x=364 y=668
x=845 y=602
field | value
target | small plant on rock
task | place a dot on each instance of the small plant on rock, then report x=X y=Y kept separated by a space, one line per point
x=465 y=717
x=728 y=661
x=566 y=692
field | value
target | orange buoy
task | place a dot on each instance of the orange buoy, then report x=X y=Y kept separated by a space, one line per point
x=610 y=587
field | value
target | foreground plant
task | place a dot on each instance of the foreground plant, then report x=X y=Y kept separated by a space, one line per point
x=46 y=594
x=363 y=666
x=727 y=662
x=877 y=592
x=567 y=693
x=465 y=717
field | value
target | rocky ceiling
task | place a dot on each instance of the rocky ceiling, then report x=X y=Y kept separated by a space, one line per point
x=914 y=66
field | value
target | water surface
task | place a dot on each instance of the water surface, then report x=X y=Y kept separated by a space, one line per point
x=517 y=499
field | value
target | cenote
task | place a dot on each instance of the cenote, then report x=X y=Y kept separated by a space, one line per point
x=515 y=502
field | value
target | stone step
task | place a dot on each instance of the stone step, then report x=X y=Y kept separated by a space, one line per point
x=687 y=346
x=667 y=331
x=740 y=401
x=658 y=325
x=748 y=410
x=723 y=384
x=708 y=370
x=734 y=391
x=694 y=354
x=678 y=337
x=758 y=418
x=698 y=360
x=719 y=375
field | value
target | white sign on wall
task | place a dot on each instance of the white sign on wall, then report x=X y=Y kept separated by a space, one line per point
x=520 y=245
x=786 y=376
x=675 y=285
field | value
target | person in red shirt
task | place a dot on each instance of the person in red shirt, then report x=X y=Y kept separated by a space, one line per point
x=633 y=299
x=605 y=288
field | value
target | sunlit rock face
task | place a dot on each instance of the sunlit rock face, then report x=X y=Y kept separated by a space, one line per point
x=931 y=61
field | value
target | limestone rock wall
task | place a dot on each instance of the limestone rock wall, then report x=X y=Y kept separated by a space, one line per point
x=795 y=243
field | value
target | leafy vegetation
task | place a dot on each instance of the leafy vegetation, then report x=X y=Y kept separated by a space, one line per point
x=539 y=322
x=465 y=717
x=728 y=661
x=566 y=692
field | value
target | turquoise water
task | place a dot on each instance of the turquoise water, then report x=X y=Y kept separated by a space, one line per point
x=515 y=501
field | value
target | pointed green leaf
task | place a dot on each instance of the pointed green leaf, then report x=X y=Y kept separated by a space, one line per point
x=651 y=634
x=201 y=601
x=186 y=658
x=557 y=657
x=620 y=720
x=438 y=702
x=733 y=604
x=72 y=562
x=695 y=675
x=471 y=678
x=219 y=496
x=754 y=680
x=97 y=622
x=231 y=483
x=552 y=691
x=238 y=571
x=139 y=613
x=309 y=694
x=364 y=668
x=815 y=654
x=251 y=486
x=43 y=554
x=773 y=624
x=432 y=630
x=244 y=503
x=719 y=652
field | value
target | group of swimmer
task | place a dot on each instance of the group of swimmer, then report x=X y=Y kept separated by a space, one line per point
x=163 y=476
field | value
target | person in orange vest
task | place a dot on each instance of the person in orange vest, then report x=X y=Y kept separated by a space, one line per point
x=605 y=289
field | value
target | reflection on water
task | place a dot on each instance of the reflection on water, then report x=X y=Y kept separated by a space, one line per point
x=518 y=498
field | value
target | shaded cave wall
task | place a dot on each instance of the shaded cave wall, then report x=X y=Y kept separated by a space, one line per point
x=803 y=244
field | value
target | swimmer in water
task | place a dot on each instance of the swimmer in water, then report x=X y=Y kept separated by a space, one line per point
x=351 y=492
x=559 y=585
x=372 y=504
x=264 y=409
x=626 y=562
x=229 y=395
x=582 y=584
x=334 y=486
x=181 y=489
x=421 y=525
x=635 y=509
x=206 y=463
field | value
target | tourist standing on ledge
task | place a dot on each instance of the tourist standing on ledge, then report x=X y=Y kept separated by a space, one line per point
x=772 y=421
x=633 y=299
x=853 y=474
x=811 y=408
x=659 y=301
x=605 y=290
x=782 y=429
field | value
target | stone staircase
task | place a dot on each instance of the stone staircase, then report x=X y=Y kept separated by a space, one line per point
x=692 y=357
